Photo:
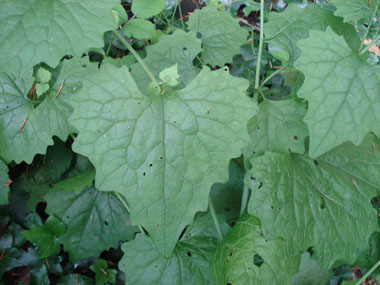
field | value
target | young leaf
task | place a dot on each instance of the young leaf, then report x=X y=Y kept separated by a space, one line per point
x=4 y=183
x=102 y=273
x=343 y=91
x=40 y=31
x=317 y=203
x=43 y=75
x=170 y=75
x=221 y=35
x=163 y=152
x=355 y=10
x=179 y=48
x=147 y=8
x=246 y=257
x=46 y=236
x=278 y=127
x=140 y=29
x=95 y=221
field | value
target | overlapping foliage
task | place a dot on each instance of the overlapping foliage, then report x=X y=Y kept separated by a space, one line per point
x=133 y=134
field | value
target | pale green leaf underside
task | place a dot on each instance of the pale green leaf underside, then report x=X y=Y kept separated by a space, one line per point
x=179 y=48
x=316 y=203
x=4 y=178
x=343 y=91
x=34 y=31
x=285 y=29
x=95 y=221
x=140 y=29
x=233 y=262
x=189 y=263
x=221 y=35
x=147 y=8
x=163 y=153
x=277 y=127
x=310 y=272
x=355 y=10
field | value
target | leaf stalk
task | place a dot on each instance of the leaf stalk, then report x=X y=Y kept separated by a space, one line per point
x=215 y=218
x=136 y=55
x=261 y=43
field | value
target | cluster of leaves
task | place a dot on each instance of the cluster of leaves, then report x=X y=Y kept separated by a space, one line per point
x=175 y=142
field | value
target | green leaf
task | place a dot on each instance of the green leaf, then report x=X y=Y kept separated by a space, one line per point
x=285 y=29
x=278 y=127
x=179 y=48
x=43 y=75
x=147 y=8
x=250 y=6
x=76 y=183
x=343 y=91
x=355 y=10
x=164 y=145
x=95 y=221
x=119 y=14
x=190 y=262
x=221 y=35
x=76 y=279
x=310 y=272
x=46 y=236
x=4 y=183
x=227 y=197
x=102 y=273
x=39 y=31
x=170 y=75
x=140 y=29
x=318 y=203
x=44 y=172
x=246 y=257
x=41 y=88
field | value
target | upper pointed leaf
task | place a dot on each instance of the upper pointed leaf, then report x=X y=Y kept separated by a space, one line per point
x=355 y=10
x=35 y=31
x=285 y=29
x=221 y=35
x=318 y=203
x=147 y=8
x=343 y=91
x=162 y=152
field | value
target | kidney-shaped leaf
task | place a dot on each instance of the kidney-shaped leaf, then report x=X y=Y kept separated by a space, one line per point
x=164 y=152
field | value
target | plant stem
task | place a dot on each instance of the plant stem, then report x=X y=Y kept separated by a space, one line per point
x=374 y=41
x=110 y=44
x=180 y=14
x=364 y=277
x=244 y=200
x=215 y=218
x=136 y=55
x=129 y=211
x=258 y=66
x=272 y=75
x=369 y=25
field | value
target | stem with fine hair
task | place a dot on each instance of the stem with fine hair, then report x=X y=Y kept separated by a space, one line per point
x=129 y=211
x=261 y=43
x=369 y=25
x=136 y=55
x=215 y=218
x=244 y=200
x=374 y=41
